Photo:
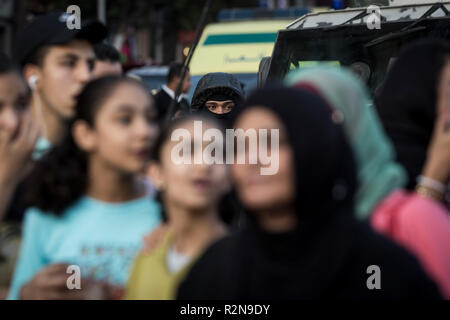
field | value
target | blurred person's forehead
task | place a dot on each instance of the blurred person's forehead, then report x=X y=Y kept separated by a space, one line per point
x=77 y=48
x=220 y=101
x=129 y=96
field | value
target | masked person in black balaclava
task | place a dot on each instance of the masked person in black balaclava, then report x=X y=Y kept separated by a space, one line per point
x=218 y=94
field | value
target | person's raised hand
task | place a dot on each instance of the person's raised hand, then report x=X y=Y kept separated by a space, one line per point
x=16 y=149
x=50 y=283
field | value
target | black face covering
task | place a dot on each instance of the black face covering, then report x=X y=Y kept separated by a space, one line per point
x=327 y=254
x=226 y=118
x=220 y=87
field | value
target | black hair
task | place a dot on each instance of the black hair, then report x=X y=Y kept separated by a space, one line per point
x=6 y=65
x=60 y=177
x=105 y=52
x=175 y=70
x=37 y=57
x=229 y=206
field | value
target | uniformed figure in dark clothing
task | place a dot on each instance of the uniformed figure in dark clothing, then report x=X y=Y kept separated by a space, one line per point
x=167 y=92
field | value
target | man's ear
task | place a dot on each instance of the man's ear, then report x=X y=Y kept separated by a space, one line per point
x=32 y=71
x=155 y=175
x=84 y=136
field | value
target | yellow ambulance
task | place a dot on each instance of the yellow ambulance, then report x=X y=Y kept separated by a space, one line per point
x=236 y=48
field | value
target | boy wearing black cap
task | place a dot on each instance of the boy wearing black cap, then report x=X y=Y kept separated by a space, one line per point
x=57 y=62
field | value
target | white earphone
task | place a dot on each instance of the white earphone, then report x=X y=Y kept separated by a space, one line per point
x=32 y=81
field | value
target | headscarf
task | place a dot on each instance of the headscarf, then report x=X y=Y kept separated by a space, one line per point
x=328 y=251
x=407 y=102
x=378 y=173
x=218 y=86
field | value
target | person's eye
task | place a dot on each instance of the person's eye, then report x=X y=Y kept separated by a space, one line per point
x=69 y=63
x=125 y=120
x=211 y=107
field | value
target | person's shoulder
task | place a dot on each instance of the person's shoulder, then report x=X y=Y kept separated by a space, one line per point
x=210 y=274
x=223 y=247
x=146 y=201
x=214 y=255
x=38 y=223
x=153 y=260
x=401 y=273
x=36 y=216
x=375 y=246
x=157 y=92
x=161 y=94
x=147 y=206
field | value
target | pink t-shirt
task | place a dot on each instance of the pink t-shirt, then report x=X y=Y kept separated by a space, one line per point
x=422 y=226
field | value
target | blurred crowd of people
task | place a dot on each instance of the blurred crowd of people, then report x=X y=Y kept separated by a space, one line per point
x=86 y=169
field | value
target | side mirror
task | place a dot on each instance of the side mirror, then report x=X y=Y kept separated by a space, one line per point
x=263 y=71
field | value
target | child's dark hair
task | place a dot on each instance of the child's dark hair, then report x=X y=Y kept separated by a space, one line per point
x=229 y=207
x=106 y=52
x=60 y=178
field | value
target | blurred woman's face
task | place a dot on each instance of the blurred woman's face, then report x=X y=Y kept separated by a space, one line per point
x=14 y=101
x=265 y=192
x=125 y=129
x=190 y=186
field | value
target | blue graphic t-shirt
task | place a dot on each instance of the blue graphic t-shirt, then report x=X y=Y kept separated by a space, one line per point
x=101 y=238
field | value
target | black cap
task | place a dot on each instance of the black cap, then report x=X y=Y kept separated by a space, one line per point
x=51 y=29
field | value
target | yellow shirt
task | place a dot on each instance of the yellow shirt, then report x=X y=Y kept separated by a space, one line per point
x=150 y=278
